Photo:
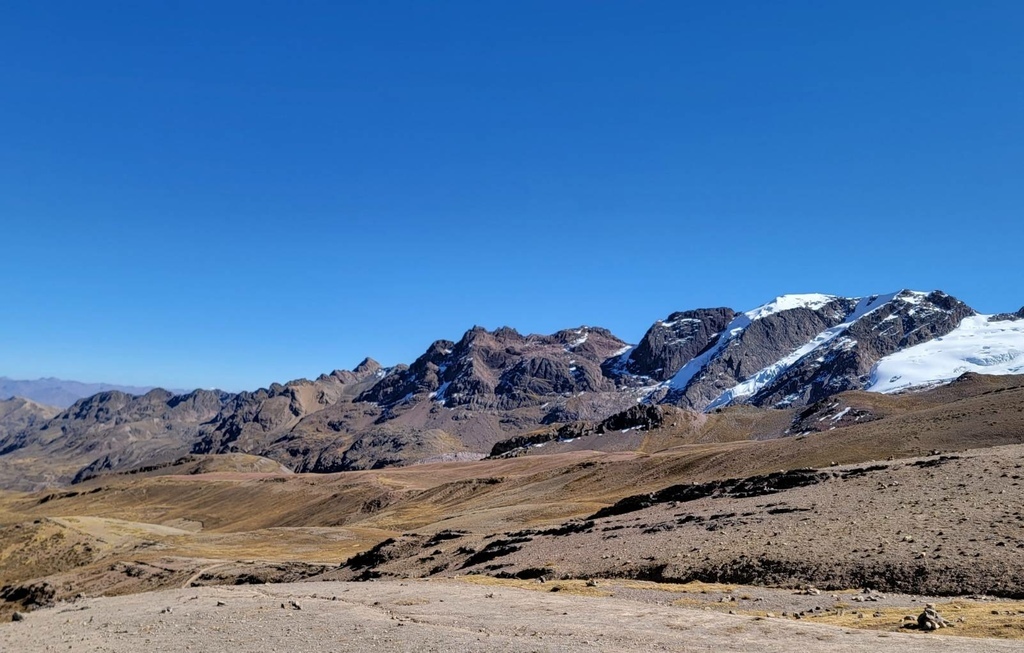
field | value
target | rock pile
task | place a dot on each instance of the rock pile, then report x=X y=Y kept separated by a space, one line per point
x=930 y=619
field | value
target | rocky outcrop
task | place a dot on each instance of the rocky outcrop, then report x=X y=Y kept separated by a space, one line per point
x=754 y=342
x=843 y=363
x=640 y=417
x=673 y=342
x=502 y=369
x=1002 y=317
x=801 y=349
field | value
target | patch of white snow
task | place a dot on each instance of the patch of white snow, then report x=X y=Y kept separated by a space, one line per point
x=838 y=416
x=439 y=395
x=764 y=377
x=812 y=301
x=977 y=345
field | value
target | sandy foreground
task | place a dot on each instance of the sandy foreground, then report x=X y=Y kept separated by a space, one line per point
x=427 y=616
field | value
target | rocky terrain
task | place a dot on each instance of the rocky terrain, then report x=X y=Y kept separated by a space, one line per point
x=456 y=617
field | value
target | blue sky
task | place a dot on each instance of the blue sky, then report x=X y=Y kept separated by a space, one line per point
x=234 y=193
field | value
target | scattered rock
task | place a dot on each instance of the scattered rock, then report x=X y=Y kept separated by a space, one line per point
x=17 y=616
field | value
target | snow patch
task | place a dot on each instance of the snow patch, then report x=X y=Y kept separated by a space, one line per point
x=623 y=351
x=578 y=341
x=838 y=416
x=439 y=395
x=695 y=365
x=977 y=345
x=812 y=301
x=684 y=320
x=764 y=377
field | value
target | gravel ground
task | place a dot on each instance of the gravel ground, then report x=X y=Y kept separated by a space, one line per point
x=432 y=615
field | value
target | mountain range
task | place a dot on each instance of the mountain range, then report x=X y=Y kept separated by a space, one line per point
x=465 y=399
x=60 y=392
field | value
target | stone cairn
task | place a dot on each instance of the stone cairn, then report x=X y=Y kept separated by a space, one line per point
x=930 y=619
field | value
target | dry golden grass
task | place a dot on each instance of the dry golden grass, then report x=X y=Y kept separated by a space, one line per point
x=574 y=587
x=1003 y=620
x=694 y=587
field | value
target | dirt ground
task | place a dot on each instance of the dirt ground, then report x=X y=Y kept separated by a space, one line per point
x=430 y=615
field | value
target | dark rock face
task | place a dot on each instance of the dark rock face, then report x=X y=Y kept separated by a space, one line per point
x=502 y=369
x=672 y=343
x=421 y=376
x=826 y=414
x=802 y=355
x=762 y=342
x=642 y=416
x=1002 y=317
x=843 y=364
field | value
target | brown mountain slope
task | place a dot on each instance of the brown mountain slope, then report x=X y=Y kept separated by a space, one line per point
x=18 y=415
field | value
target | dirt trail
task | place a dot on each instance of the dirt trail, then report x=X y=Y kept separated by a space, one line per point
x=438 y=616
x=194 y=577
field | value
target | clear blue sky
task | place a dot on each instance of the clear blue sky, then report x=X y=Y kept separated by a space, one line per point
x=234 y=193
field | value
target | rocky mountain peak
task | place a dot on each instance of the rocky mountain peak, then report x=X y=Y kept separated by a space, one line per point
x=671 y=343
x=97 y=407
x=502 y=368
x=800 y=349
x=753 y=341
x=366 y=367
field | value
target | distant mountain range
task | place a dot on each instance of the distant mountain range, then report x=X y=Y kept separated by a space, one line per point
x=59 y=392
x=462 y=398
